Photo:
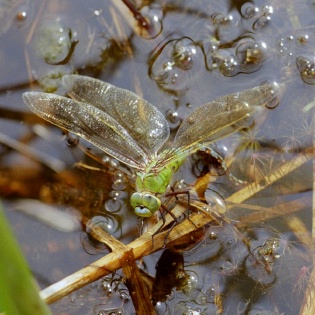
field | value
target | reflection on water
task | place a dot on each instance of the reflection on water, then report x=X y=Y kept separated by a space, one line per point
x=260 y=177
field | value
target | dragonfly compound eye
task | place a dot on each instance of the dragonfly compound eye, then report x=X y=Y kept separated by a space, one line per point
x=145 y=204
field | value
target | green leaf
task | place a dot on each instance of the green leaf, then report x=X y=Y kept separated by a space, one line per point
x=18 y=289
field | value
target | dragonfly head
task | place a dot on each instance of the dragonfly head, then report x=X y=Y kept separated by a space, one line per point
x=145 y=204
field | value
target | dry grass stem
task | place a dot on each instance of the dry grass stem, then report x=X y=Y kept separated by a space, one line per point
x=140 y=247
x=263 y=213
x=254 y=188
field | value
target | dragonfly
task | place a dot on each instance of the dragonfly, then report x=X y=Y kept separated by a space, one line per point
x=133 y=131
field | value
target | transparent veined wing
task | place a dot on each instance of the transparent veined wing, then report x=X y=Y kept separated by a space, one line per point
x=217 y=119
x=90 y=123
x=143 y=121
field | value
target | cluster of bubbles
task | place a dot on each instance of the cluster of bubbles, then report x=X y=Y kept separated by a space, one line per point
x=258 y=16
x=175 y=63
x=306 y=66
x=298 y=49
x=116 y=204
x=224 y=45
x=231 y=44
x=245 y=55
x=112 y=287
x=257 y=265
x=118 y=195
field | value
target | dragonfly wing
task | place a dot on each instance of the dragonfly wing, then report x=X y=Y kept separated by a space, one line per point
x=218 y=119
x=88 y=122
x=143 y=121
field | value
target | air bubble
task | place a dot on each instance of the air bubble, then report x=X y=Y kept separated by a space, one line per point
x=191 y=283
x=261 y=22
x=125 y=297
x=249 y=55
x=110 y=162
x=162 y=74
x=201 y=299
x=107 y=286
x=227 y=63
x=97 y=12
x=211 y=294
x=108 y=224
x=221 y=19
x=114 y=194
x=290 y=37
x=154 y=14
x=215 y=201
x=161 y=308
x=212 y=235
x=175 y=63
x=113 y=205
x=15 y=11
x=119 y=182
x=173 y=118
x=249 y=11
x=72 y=140
x=302 y=39
x=106 y=159
x=267 y=10
x=306 y=66
x=179 y=185
x=111 y=311
x=171 y=78
x=21 y=16
x=184 y=53
x=114 y=163
x=271 y=89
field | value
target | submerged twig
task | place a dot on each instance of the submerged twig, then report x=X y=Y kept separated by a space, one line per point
x=136 y=286
x=140 y=247
x=133 y=280
x=125 y=7
x=47 y=160
x=137 y=15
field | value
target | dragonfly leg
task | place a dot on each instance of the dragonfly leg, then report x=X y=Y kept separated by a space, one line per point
x=183 y=192
x=176 y=193
x=161 y=227
x=162 y=211
x=140 y=221
x=173 y=224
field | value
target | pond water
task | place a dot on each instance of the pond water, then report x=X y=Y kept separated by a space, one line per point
x=259 y=258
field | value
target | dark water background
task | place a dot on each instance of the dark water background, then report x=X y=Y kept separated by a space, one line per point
x=195 y=52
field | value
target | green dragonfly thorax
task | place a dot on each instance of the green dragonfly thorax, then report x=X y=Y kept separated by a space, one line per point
x=151 y=184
